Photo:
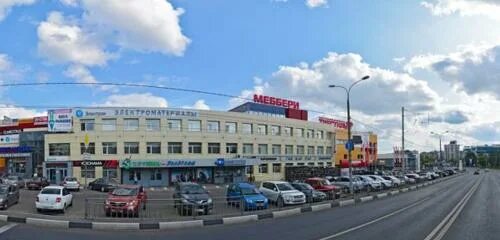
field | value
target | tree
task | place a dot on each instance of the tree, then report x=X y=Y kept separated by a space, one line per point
x=483 y=160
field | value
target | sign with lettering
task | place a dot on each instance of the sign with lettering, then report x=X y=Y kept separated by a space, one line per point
x=97 y=163
x=60 y=120
x=10 y=139
x=135 y=112
x=334 y=122
x=22 y=151
x=280 y=102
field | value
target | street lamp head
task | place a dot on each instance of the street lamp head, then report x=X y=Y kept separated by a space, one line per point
x=332 y=86
x=365 y=77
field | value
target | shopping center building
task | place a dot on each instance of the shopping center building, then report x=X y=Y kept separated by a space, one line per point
x=160 y=146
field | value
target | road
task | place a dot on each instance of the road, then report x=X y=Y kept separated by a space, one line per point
x=465 y=207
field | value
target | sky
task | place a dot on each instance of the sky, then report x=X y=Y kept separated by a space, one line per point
x=439 y=59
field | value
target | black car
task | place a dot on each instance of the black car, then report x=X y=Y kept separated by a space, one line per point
x=312 y=195
x=476 y=172
x=9 y=195
x=103 y=184
x=190 y=198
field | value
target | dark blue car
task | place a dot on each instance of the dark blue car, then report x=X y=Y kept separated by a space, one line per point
x=246 y=194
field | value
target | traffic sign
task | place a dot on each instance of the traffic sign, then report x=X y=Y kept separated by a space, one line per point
x=349 y=145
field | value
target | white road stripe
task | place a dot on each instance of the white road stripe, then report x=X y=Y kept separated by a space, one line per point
x=7 y=227
x=374 y=221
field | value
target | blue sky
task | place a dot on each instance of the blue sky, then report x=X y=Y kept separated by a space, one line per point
x=231 y=43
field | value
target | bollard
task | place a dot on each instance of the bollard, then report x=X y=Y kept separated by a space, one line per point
x=86 y=208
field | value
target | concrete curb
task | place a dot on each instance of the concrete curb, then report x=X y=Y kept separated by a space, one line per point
x=115 y=226
x=180 y=224
x=286 y=213
x=403 y=190
x=47 y=223
x=413 y=187
x=381 y=195
x=394 y=192
x=321 y=207
x=240 y=219
x=346 y=202
x=366 y=199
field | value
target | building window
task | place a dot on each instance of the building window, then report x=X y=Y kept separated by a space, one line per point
x=321 y=164
x=155 y=174
x=263 y=168
x=328 y=150
x=194 y=125
x=300 y=164
x=174 y=125
x=262 y=148
x=248 y=148
x=214 y=148
x=109 y=148
x=319 y=134
x=310 y=150
x=310 y=164
x=131 y=147
x=109 y=124
x=130 y=124
x=289 y=149
x=90 y=149
x=153 y=148
x=195 y=147
x=134 y=175
x=319 y=150
x=287 y=131
x=276 y=167
x=109 y=173
x=288 y=164
x=328 y=164
x=249 y=170
x=153 y=125
x=262 y=129
x=231 y=148
x=299 y=132
x=276 y=149
x=87 y=171
x=246 y=128
x=345 y=156
x=59 y=149
x=87 y=125
x=310 y=133
x=175 y=147
x=231 y=127
x=275 y=130
x=213 y=126
x=300 y=150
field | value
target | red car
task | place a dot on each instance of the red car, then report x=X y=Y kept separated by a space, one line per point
x=126 y=200
x=37 y=183
x=323 y=185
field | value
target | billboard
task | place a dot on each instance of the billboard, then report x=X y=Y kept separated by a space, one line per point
x=60 y=120
x=134 y=112
x=280 y=102
x=10 y=139
x=334 y=122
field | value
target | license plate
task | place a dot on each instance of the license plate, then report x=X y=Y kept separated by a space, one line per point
x=260 y=204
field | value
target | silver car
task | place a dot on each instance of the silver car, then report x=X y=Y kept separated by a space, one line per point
x=15 y=180
x=370 y=183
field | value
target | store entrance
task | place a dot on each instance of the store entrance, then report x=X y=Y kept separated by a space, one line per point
x=56 y=175
x=229 y=175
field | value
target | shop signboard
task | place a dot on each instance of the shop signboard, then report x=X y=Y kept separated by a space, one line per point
x=22 y=151
x=9 y=139
x=134 y=112
x=60 y=120
x=132 y=163
x=280 y=102
x=40 y=121
x=57 y=158
x=334 y=122
x=97 y=163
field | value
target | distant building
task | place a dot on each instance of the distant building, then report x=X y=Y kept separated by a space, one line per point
x=411 y=158
x=471 y=153
x=452 y=152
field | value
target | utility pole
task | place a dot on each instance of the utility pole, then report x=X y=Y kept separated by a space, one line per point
x=403 y=136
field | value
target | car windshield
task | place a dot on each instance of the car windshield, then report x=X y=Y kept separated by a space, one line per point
x=51 y=191
x=192 y=189
x=125 y=192
x=111 y=181
x=4 y=189
x=284 y=186
x=249 y=191
x=325 y=182
x=71 y=179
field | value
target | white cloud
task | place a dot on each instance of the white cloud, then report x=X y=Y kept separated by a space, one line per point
x=490 y=8
x=17 y=112
x=399 y=60
x=199 y=105
x=6 y=6
x=135 y=100
x=80 y=73
x=4 y=62
x=142 y=25
x=70 y=3
x=316 y=3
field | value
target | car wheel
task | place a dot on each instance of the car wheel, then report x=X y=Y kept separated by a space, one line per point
x=63 y=210
x=71 y=203
x=38 y=210
x=108 y=213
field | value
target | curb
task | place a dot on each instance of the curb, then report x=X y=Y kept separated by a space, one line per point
x=381 y=195
x=346 y=202
x=366 y=199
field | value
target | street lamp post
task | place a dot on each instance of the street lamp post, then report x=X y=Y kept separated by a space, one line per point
x=349 y=140
x=440 y=135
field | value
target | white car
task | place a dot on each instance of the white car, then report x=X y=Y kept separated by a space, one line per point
x=282 y=193
x=54 y=198
x=395 y=181
x=71 y=183
x=385 y=183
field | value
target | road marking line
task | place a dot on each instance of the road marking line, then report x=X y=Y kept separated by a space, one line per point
x=7 y=227
x=374 y=221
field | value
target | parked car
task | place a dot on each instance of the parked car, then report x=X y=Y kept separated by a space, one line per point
x=9 y=195
x=323 y=185
x=312 y=195
x=426 y=176
x=246 y=194
x=370 y=184
x=71 y=183
x=414 y=176
x=37 y=183
x=476 y=172
x=409 y=180
x=191 y=197
x=282 y=193
x=126 y=200
x=386 y=184
x=357 y=184
x=103 y=184
x=395 y=181
x=15 y=180
x=54 y=198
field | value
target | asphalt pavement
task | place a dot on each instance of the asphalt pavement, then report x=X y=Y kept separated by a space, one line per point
x=465 y=207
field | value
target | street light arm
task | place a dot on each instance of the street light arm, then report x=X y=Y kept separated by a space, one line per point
x=360 y=80
x=338 y=86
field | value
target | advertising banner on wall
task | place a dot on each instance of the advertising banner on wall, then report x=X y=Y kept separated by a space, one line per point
x=334 y=122
x=134 y=112
x=10 y=139
x=59 y=120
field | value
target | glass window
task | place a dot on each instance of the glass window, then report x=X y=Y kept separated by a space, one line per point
x=300 y=164
x=87 y=125
x=109 y=173
x=289 y=149
x=90 y=149
x=310 y=164
x=330 y=135
x=134 y=174
x=195 y=147
x=231 y=148
x=276 y=149
x=153 y=147
x=130 y=124
x=262 y=129
x=59 y=149
x=299 y=132
x=155 y=174
x=310 y=133
x=310 y=150
x=174 y=124
x=300 y=149
x=109 y=124
x=319 y=134
x=175 y=147
x=321 y=164
x=131 y=147
x=194 y=125
x=275 y=130
x=230 y=127
x=214 y=148
x=276 y=167
x=263 y=168
x=262 y=148
x=328 y=150
x=328 y=164
x=213 y=126
x=319 y=150
x=88 y=171
x=287 y=131
x=246 y=128
x=109 y=148
x=249 y=170
x=153 y=125
x=248 y=148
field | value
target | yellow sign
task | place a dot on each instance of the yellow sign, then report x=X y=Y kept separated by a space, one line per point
x=86 y=141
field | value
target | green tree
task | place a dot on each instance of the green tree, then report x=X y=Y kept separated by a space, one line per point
x=483 y=160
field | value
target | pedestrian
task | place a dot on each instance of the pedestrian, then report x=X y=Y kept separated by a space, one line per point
x=135 y=178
